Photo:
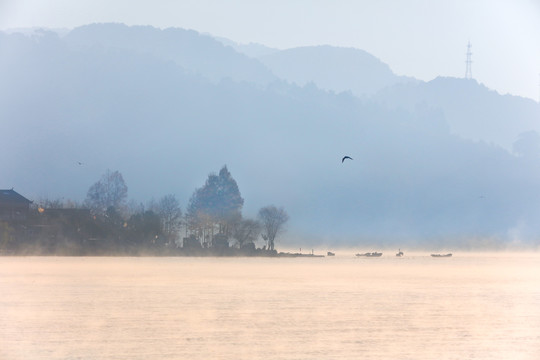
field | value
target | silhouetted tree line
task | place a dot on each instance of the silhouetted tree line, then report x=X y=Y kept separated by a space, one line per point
x=105 y=224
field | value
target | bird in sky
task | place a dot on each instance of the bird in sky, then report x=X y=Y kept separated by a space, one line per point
x=346 y=157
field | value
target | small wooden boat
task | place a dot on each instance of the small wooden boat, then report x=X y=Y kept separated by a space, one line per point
x=441 y=255
x=370 y=254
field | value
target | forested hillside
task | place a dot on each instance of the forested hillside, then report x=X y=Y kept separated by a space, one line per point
x=432 y=161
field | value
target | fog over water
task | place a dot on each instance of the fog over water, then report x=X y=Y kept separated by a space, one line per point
x=470 y=306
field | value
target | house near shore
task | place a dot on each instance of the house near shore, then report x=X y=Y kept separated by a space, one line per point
x=13 y=206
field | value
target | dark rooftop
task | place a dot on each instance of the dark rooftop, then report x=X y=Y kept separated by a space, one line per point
x=12 y=196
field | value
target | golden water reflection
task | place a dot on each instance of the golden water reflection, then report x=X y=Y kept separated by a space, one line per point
x=469 y=306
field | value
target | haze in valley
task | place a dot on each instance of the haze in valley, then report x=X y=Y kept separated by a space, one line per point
x=167 y=93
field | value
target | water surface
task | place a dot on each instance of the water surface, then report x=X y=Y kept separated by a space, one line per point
x=469 y=306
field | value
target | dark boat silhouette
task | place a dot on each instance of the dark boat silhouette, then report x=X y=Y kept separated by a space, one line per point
x=441 y=255
x=400 y=253
x=370 y=254
x=329 y=253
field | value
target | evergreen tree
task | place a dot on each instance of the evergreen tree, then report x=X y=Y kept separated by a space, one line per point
x=218 y=203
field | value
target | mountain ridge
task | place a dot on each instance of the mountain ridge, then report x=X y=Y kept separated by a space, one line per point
x=165 y=127
x=333 y=68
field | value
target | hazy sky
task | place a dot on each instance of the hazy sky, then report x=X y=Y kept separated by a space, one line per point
x=420 y=38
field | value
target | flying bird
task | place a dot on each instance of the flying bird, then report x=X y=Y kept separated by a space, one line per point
x=346 y=157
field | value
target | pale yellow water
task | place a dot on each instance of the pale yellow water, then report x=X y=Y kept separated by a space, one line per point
x=416 y=307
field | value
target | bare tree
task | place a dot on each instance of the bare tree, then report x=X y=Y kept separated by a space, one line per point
x=109 y=191
x=273 y=221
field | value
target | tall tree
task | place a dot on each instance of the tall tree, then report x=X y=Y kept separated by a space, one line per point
x=109 y=191
x=218 y=202
x=273 y=221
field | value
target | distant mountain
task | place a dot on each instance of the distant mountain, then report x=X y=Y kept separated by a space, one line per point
x=165 y=126
x=252 y=50
x=197 y=53
x=472 y=110
x=333 y=68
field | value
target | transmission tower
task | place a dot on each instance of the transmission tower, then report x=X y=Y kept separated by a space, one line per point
x=468 y=62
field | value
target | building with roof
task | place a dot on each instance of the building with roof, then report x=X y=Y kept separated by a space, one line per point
x=13 y=206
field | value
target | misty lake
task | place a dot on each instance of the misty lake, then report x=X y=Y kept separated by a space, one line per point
x=470 y=306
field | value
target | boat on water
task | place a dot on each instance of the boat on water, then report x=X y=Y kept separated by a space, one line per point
x=441 y=255
x=370 y=254
x=399 y=253
x=329 y=253
x=284 y=254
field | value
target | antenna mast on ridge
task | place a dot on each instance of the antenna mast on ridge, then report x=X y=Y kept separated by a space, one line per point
x=468 y=62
